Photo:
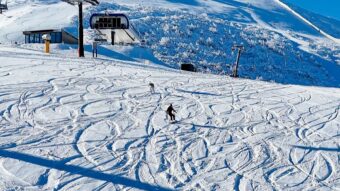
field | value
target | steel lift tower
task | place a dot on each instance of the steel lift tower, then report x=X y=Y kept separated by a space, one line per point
x=239 y=49
x=80 y=22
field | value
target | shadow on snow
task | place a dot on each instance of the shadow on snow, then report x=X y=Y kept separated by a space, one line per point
x=198 y=93
x=115 y=179
x=317 y=148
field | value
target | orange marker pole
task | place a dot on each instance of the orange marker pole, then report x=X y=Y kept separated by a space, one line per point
x=47 y=46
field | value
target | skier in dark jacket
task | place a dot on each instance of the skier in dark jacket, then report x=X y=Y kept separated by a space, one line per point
x=170 y=111
x=152 y=87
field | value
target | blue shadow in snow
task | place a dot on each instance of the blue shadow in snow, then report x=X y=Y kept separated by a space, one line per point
x=317 y=148
x=186 y=2
x=109 y=53
x=115 y=179
x=198 y=93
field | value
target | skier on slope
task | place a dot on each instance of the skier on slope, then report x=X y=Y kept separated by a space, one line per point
x=170 y=111
x=152 y=87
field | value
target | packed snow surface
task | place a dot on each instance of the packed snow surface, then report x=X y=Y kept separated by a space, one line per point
x=92 y=124
x=84 y=124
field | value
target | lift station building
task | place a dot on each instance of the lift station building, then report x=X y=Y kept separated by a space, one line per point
x=115 y=28
x=57 y=36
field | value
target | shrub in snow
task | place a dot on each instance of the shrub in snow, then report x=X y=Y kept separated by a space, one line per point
x=189 y=33
x=213 y=29
x=166 y=28
x=191 y=27
x=209 y=41
x=204 y=15
x=164 y=41
x=185 y=55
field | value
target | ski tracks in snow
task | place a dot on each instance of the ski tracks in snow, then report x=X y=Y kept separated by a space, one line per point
x=230 y=134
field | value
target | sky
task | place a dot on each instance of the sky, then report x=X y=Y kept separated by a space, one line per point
x=329 y=8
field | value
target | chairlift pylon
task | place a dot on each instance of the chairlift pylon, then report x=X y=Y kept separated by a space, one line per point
x=80 y=22
x=239 y=49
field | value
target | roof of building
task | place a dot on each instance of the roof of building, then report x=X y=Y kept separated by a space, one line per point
x=41 y=31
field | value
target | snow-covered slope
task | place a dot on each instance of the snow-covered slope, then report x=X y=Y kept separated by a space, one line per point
x=83 y=124
x=279 y=46
x=91 y=124
x=328 y=24
x=33 y=15
x=320 y=30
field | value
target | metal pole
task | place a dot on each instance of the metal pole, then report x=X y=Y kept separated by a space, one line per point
x=237 y=62
x=113 y=37
x=235 y=70
x=80 y=31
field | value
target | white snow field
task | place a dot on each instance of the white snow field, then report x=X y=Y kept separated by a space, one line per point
x=83 y=124
x=70 y=123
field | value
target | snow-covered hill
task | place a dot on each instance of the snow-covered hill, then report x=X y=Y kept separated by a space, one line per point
x=330 y=25
x=33 y=15
x=70 y=123
x=83 y=124
x=279 y=46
